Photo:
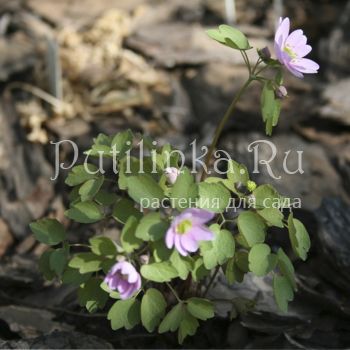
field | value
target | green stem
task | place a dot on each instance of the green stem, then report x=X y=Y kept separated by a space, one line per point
x=174 y=292
x=246 y=61
x=222 y=123
x=211 y=281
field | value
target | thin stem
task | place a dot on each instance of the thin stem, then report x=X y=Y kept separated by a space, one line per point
x=246 y=61
x=174 y=292
x=80 y=245
x=211 y=281
x=256 y=65
x=260 y=70
x=222 y=123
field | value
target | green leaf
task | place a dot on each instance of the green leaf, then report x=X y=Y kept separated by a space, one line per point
x=122 y=142
x=125 y=313
x=152 y=309
x=266 y=197
x=230 y=36
x=181 y=264
x=261 y=261
x=144 y=190
x=236 y=173
x=272 y=216
x=270 y=107
x=128 y=166
x=48 y=231
x=160 y=251
x=219 y=250
x=170 y=157
x=299 y=237
x=86 y=262
x=151 y=227
x=127 y=237
x=200 y=308
x=90 y=188
x=44 y=265
x=286 y=267
x=283 y=292
x=102 y=140
x=241 y=260
x=81 y=173
x=105 y=198
x=58 y=260
x=103 y=246
x=233 y=273
x=85 y=212
x=252 y=227
x=112 y=293
x=99 y=151
x=123 y=209
x=188 y=326
x=213 y=197
x=199 y=271
x=172 y=320
x=184 y=191
x=159 y=272
x=91 y=295
x=107 y=264
x=234 y=37
x=73 y=277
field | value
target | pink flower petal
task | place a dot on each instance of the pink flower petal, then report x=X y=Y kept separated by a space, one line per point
x=122 y=286
x=278 y=52
x=170 y=237
x=295 y=38
x=282 y=32
x=202 y=233
x=302 y=51
x=304 y=65
x=129 y=270
x=127 y=293
x=189 y=243
x=294 y=71
x=200 y=216
x=179 y=247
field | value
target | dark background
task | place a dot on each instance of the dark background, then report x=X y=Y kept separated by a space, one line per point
x=72 y=69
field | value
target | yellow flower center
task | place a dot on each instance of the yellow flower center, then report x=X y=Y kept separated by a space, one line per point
x=290 y=51
x=183 y=226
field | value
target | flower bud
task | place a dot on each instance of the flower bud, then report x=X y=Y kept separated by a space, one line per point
x=265 y=53
x=251 y=186
x=281 y=92
x=144 y=259
x=171 y=174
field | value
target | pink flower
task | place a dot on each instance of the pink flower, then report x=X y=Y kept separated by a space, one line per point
x=124 y=278
x=292 y=48
x=187 y=229
x=171 y=174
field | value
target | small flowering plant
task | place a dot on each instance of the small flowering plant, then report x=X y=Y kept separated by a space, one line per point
x=178 y=230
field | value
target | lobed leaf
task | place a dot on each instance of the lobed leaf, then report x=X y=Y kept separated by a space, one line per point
x=125 y=313
x=85 y=212
x=103 y=246
x=159 y=272
x=81 y=173
x=153 y=307
x=252 y=227
x=48 y=231
x=299 y=237
x=151 y=227
x=261 y=261
x=283 y=292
